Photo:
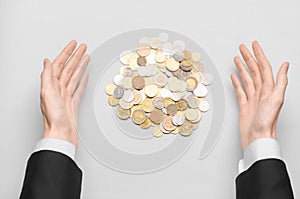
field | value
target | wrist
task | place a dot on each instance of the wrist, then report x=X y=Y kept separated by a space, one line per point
x=250 y=137
x=68 y=134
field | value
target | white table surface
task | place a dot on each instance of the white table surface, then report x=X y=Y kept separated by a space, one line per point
x=31 y=30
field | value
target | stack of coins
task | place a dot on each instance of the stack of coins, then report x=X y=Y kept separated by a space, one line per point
x=161 y=85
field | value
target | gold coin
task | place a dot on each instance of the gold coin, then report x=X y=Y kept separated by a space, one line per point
x=196 y=56
x=191 y=83
x=180 y=113
x=175 y=131
x=141 y=61
x=138 y=116
x=172 y=65
x=156 y=116
x=182 y=105
x=186 y=63
x=168 y=124
x=110 y=89
x=138 y=82
x=156 y=132
x=113 y=101
x=146 y=124
x=186 y=128
x=143 y=50
x=172 y=109
x=147 y=105
x=151 y=90
x=187 y=54
x=137 y=97
x=160 y=57
x=198 y=66
x=168 y=101
x=135 y=107
x=123 y=113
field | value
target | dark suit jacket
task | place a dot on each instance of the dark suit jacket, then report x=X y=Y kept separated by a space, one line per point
x=265 y=179
x=54 y=175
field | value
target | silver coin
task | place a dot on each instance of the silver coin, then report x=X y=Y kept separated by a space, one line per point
x=207 y=78
x=176 y=96
x=178 y=120
x=178 y=56
x=128 y=95
x=164 y=37
x=200 y=90
x=165 y=92
x=192 y=101
x=118 y=92
x=204 y=106
x=158 y=103
x=179 y=44
x=118 y=80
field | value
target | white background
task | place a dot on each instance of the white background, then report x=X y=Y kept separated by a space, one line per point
x=31 y=30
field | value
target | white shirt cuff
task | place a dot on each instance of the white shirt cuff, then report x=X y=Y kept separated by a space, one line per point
x=57 y=145
x=260 y=149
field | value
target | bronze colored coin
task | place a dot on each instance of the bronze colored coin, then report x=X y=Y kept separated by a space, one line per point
x=168 y=101
x=146 y=124
x=182 y=105
x=113 y=101
x=156 y=116
x=141 y=61
x=143 y=50
x=156 y=132
x=186 y=128
x=187 y=54
x=191 y=83
x=138 y=82
x=123 y=113
x=110 y=89
x=147 y=105
x=172 y=109
x=138 y=116
x=167 y=124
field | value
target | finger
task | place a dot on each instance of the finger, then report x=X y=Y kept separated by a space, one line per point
x=266 y=69
x=282 y=80
x=46 y=75
x=79 y=92
x=77 y=75
x=242 y=98
x=62 y=58
x=252 y=65
x=245 y=77
x=72 y=64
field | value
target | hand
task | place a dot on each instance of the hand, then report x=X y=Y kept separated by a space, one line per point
x=261 y=100
x=63 y=85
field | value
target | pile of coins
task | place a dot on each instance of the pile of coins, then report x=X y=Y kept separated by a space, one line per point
x=161 y=85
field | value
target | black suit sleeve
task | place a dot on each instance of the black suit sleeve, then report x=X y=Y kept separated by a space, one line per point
x=265 y=179
x=52 y=175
